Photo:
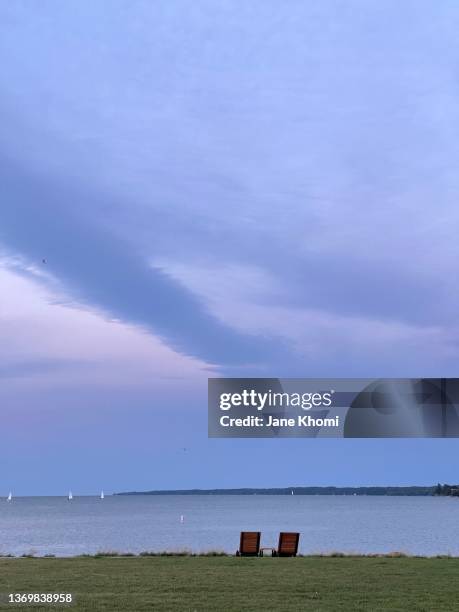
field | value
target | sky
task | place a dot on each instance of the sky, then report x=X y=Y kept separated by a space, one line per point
x=193 y=189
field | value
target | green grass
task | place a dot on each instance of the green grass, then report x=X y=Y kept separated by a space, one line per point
x=229 y=583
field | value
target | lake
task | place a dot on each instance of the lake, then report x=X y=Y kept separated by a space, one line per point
x=351 y=524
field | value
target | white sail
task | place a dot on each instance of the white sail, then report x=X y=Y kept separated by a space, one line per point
x=292 y=491
x=102 y=496
x=70 y=495
x=10 y=496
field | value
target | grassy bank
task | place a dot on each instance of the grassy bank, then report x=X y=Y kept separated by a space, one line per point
x=229 y=583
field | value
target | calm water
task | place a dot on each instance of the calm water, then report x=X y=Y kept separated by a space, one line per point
x=49 y=525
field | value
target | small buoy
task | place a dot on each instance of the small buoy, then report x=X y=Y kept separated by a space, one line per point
x=182 y=518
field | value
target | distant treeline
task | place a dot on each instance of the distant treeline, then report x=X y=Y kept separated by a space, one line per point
x=305 y=491
x=446 y=489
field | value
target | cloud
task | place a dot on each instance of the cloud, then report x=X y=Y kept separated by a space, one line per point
x=323 y=341
x=54 y=344
x=42 y=221
x=307 y=144
x=27 y=369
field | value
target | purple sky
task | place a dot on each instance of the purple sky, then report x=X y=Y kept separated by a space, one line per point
x=237 y=188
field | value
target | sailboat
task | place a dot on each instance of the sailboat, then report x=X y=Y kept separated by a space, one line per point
x=292 y=491
x=10 y=496
x=102 y=496
x=70 y=496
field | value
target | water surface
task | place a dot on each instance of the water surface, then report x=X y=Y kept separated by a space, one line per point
x=358 y=524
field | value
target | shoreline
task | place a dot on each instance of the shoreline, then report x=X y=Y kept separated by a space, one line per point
x=387 y=491
x=217 y=554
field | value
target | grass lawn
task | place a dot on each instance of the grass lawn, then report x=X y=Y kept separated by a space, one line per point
x=228 y=583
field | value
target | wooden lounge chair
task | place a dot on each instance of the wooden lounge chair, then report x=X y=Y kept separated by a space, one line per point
x=288 y=545
x=249 y=545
